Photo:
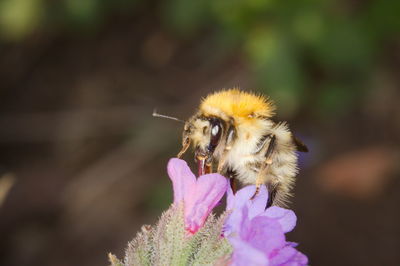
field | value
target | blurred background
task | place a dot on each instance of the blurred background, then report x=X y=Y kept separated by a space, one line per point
x=83 y=162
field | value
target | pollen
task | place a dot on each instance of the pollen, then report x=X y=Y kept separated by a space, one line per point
x=237 y=103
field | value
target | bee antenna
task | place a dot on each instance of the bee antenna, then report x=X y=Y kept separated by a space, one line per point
x=155 y=114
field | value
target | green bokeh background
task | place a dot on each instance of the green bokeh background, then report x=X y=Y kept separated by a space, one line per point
x=288 y=45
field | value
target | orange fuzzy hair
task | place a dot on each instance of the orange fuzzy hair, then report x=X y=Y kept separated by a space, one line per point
x=236 y=103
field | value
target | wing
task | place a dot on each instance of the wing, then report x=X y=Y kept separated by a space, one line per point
x=300 y=146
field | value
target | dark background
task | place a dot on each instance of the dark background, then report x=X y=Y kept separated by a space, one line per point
x=83 y=163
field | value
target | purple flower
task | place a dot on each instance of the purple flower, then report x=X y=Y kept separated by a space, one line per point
x=258 y=235
x=199 y=196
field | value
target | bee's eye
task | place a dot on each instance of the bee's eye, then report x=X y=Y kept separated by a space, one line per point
x=216 y=132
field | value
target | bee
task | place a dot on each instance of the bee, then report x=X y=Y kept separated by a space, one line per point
x=233 y=133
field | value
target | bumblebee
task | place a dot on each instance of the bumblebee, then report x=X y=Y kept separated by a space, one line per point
x=232 y=133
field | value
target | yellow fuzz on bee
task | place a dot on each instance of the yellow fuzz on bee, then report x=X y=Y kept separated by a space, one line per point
x=236 y=103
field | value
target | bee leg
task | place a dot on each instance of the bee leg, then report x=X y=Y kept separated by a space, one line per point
x=233 y=184
x=261 y=178
x=221 y=163
x=208 y=166
x=268 y=161
x=232 y=180
x=185 y=146
x=257 y=191
x=272 y=194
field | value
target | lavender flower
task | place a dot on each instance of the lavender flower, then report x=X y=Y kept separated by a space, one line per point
x=258 y=235
x=189 y=234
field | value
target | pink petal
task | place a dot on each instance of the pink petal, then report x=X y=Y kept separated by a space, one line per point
x=286 y=218
x=264 y=234
x=244 y=254
x=230 y=199
x=289 y=256
x=183 y=180
x=259 y=203
x=243 y=196
x=208 y=191
x=235 y=203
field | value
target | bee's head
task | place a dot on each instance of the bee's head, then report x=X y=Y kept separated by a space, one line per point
x=204 y=133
